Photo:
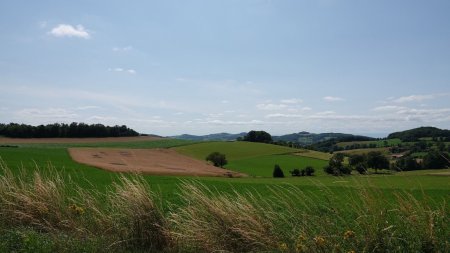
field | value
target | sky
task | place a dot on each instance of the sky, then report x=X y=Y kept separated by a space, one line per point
x=178 y=66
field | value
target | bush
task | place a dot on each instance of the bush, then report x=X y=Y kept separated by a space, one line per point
x=295 y=172
x=277 y=171
x=309 y=171
x=218 y=159
x=361 y=169
x=436 y=160
x=336 y=167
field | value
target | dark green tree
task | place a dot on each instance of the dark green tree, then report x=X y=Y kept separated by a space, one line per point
x=295 y=172
x=336 y=166
x=218 y=159
x=376 y=160
x=358 y=162
x=258 y=136
x=436 y=160
x=309 y=170
x=277 y=171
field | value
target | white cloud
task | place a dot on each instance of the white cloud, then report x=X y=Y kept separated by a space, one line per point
x=282 y=115
x=50 y=113
x=129 y=71
x=87 y=107
x=332 y=99
x=65 y=30
x=326 y=113
x=231 y=122
x=291 y=101
x=271 y=107
x=122 y=49
x=413 y=98
x=388 y=108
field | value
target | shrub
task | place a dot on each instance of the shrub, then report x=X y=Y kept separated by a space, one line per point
x=218 y=159
x=360 y=168
x=309 y=171
x=295 y=172
x=277 y=171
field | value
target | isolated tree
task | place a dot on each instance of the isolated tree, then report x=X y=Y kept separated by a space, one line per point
x=277 y=171
x=218 y=159
x=376 y=160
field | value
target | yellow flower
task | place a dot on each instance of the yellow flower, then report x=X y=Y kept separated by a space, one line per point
x=319 y=240
x=76 y=209
x=302 y=237
x=299 y=247
x=349 y=234
x=283 y=246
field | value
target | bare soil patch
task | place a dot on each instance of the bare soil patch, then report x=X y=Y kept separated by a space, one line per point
x=149 y=161
x=6 y=140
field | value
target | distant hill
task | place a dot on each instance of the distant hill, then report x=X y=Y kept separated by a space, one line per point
x=302 y=138
x=210 y=137
x=420 y=132
x=305 y=138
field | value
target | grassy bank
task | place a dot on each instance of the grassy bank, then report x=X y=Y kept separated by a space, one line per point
x=48 y=212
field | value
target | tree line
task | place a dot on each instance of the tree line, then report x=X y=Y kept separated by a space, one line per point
x=61 y=130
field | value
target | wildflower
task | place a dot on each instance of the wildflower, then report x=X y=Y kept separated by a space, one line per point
x=283 y=246
x=300 y=247
x=349 y=234
x=319 y=240
x=302 y=237
x=76 y=209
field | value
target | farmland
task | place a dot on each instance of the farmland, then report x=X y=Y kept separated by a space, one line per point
x=285 y=196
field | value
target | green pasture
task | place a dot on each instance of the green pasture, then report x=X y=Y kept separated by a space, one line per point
x=90 y=177
x=262 y=166
x=235 y=150
x=256 y=160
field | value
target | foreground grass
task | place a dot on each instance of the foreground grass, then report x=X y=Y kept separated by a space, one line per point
x=47 y=212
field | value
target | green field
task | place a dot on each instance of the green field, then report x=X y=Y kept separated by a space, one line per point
x=257 y=160
x=327 y=204
x=233 y=150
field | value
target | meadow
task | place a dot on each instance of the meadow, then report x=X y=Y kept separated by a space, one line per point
x=278 y=212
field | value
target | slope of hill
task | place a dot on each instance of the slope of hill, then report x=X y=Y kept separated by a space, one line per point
x=257 y=159
x=305 y=138
x=302 y=138
x=209 y=137
x=420 y=132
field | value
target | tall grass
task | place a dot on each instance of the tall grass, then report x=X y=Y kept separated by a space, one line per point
x=129 y=217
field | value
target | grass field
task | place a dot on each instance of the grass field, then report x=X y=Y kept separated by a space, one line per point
x=257 y=160
x=233 y=150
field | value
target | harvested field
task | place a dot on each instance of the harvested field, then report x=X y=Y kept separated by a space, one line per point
x=6 y=140
x=148 y=161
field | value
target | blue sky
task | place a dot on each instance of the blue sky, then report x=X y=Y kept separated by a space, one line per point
x=171 y=67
